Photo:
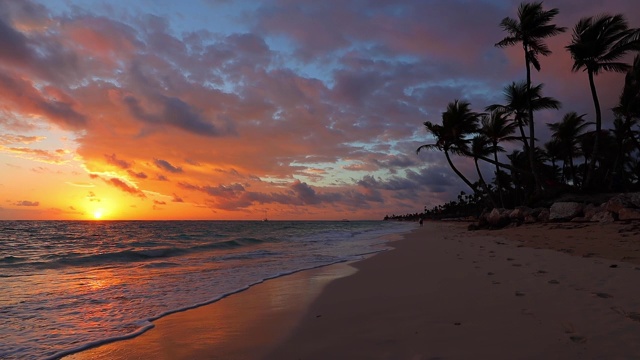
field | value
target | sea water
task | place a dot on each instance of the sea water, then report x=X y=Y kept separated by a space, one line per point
x=69 y=285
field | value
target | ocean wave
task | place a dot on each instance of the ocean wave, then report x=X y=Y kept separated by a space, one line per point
x=55 y=261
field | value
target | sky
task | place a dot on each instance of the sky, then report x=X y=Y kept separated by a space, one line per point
x=286 y=109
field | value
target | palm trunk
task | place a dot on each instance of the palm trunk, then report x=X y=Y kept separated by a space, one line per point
x=626 y=131
x=495 y=158
x=532 y=137
x=466 y=181
x=573 y=170
x=484 y=185
x=522 y=135
x=596 y=142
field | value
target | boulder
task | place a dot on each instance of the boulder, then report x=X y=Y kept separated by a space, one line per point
x=565 y=210
x=629 y=214
x=536 y=212
x=543 y=216
x=590 y=210
x=603 y=217
x=530 y=219
x=498 y=217
x=621 y=201
x=516 y=214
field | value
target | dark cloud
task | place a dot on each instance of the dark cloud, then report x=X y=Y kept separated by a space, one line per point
x=138 y=175
x=113 y=159
x=27 y=203
x=125 y=187
x=165 y=165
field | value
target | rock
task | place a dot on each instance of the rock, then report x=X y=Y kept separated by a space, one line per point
x=543 y=216
x=621 y=201
x=530 y=219
x=473 y=227
x=603 y=217
x=590 y=210
x=629 y=214
x=516 y=214
x=498 y=217
x=565 y=210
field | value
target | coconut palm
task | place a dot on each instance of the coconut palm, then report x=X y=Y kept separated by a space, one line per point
x=597 y=45
x=567 y=133
x=516 y=104
x=532 y=26
x=458 y=122
x=497 y=128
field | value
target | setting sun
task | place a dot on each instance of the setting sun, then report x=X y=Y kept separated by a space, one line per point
x=97 y=214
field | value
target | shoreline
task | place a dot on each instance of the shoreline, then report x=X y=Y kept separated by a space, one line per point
x=310 y=282
x=441 y=291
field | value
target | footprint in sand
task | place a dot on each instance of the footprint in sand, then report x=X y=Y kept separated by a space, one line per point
x=602 y=295
x=519 y=293
x=578 y=339
x=554 y=282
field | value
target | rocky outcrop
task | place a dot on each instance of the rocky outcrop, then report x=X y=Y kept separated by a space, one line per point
x=616 y=207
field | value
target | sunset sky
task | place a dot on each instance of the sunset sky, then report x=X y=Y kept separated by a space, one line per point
x=223 y=109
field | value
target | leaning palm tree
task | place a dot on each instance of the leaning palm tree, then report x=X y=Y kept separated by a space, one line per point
x=531 y=27
x=517 y=104
x=458 y=122
x=597 y=45
x=497 y=128
x=568 y=133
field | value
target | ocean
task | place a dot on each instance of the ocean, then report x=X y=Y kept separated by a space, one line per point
x=70 y=285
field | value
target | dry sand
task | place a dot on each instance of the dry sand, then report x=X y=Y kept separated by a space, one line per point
x=443 y=293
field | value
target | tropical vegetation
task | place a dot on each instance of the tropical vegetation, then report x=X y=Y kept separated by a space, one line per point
x=581 y=155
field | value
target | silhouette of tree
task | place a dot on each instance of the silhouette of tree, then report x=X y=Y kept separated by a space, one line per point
x=598 y=44
x=532 y=26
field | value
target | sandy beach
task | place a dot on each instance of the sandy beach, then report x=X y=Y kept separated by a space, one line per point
x=542 y=291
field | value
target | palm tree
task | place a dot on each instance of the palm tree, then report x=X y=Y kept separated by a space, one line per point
x=496 y=127
x=626 y=145
x=458 y=122
x=598 y=44
x=481 y=146
x=516 y=104
x=567 y=133
x=628 y=112
x=530 y=28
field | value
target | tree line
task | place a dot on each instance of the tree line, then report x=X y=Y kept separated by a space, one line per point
x=581 y=156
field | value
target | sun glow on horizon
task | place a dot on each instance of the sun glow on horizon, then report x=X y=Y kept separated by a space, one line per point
x=97 y=215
